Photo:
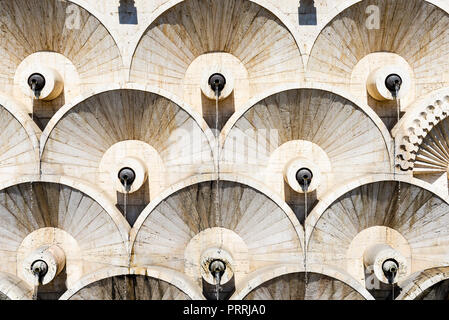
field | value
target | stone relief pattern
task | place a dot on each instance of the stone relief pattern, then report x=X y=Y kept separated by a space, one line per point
x=131 y=112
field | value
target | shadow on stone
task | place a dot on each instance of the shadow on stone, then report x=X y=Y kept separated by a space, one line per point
x=307 y=13
x=127 y=12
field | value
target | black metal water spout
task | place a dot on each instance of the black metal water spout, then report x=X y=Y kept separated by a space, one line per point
x=390 y=268
x=39 y=268
x=393 y=83
x=304 y=177
x=217 y=83
x=127 y=177
x=36 y=82
x=217 y=268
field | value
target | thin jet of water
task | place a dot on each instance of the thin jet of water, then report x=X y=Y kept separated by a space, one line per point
x=217 y=136
x=398 y=108
x=36 y=285
x=125 y=283
x=125 y=200
x=398 y=112
x=217 y=285
x=31 y=197
x=392 y=291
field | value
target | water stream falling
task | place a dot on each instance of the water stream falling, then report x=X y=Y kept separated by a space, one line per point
x=217 y=198
x=36 y=82
x=126 y=176
x=390 y=269
x=39 y=269
x=305 y=243
x=125 y=286
x=36 y=275
x=36 y=285
x=217 y=136
x=217 y=269
x=392 y=291
x=125 y=199
x=217 y=82
x=398 y=114
x=398 y=110
x=304 y=177
x=32 y=107
x=217 y=285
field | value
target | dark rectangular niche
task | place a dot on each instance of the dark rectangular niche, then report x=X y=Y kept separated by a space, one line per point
x=127 y=12
x=307 y=13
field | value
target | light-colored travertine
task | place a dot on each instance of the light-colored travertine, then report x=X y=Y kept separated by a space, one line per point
x=162 y=235
x=305 y=89
x=94 y=241
x=309 y=115
x=79 y=137
x=252 y=34
x=418 y=215
x=56 y=26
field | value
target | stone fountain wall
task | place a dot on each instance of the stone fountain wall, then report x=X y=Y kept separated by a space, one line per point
x=126 y=86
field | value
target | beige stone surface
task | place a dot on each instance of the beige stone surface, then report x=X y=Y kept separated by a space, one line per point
x=135 y=94
x=12 y=288
x=61 y=27
x=71 y=219
x=267 y=231
x=77 y=143
x=420 y=284
x=419 y=217
x=368 y=239
x=129 y=287
x=415 y=42
x=291 y=278
x=299 y=115
x=292 y=287
x=255 y=36
x=68 y=85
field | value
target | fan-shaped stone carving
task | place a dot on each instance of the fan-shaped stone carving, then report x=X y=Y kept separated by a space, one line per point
x=19 y=156
x=414 y=29
x=293 y=287
x=270 y=233
x=412 y=134
x=12 y=288
x=81 y=135
x=433 y=152
x=29 y=207
x=127 y=194
x=439 y=291
x=429 y=284
x=244 y=29
x=28 y=26
x=417 y=214
x=130 y=287
x=353 y=143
